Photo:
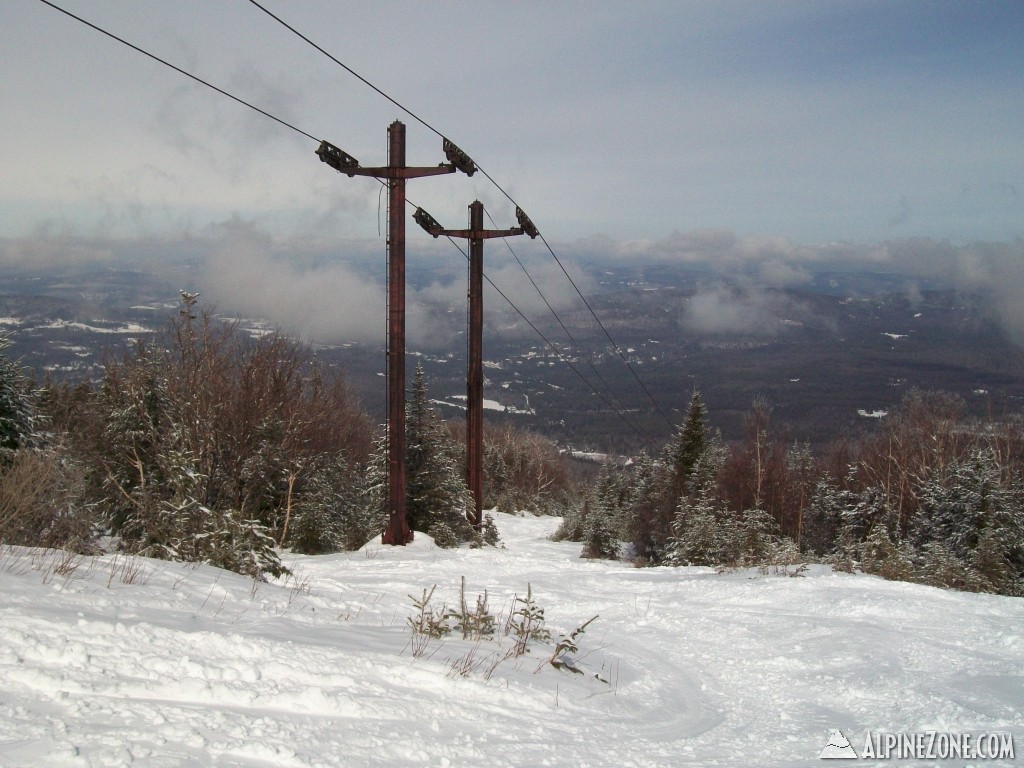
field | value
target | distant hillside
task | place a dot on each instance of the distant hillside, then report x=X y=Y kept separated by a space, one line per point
x=830 y=356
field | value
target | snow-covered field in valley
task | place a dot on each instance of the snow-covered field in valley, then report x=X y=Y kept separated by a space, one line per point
x=108 y=662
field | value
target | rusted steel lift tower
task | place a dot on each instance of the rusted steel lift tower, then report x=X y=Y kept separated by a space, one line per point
x=396 y=173
x=476 y=234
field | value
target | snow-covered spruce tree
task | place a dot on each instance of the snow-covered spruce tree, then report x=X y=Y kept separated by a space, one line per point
x=600 y=531
x=823 y=518
x=330 y=514
x=862 y=512
x=991 y=569
x=175 y=525
x=707 y=468
x=436 y=490
x=688 y=445
x=18 y=415
x=127 y=471
x=373 y=490
x=754 y=535
x=497 y=480
x=613 y=491
x=698 y=537
x=967 y=498
x=572 y=527
x=642 y=528
x=937 y=566
x=881 y=556
x=489 y=531
x=443 y=536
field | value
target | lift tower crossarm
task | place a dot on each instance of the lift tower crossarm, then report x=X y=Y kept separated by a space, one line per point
x=434 y=229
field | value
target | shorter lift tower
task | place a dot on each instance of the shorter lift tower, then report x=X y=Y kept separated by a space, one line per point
x=476 y=234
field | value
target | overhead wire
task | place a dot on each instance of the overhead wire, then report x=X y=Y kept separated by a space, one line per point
x=501 y=189
x=551 y=309
x=586 y=303
x=347 y=68
x=166 y=63
x=551 y=345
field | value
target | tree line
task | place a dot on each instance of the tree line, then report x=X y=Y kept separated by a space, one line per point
x=207 y=444
x=929 y=496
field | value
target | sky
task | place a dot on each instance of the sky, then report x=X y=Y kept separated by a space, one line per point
x=785 y=133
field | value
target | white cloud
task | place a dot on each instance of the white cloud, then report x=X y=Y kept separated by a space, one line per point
x=331 y=301
x=719 y=308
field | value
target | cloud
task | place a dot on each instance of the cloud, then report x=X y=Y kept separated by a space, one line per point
x=53 y=249
x=326 y=289
x=776 y=273
x=333 y=299
x=720 y=308
x=248 y=273
x=756 y=265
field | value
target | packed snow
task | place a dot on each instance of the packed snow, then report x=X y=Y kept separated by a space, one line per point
x=111 y=661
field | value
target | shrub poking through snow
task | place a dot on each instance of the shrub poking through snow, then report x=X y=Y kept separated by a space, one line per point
x=428 y=621
x=473 y=620
x=566 y=649
x=474 y=623
x=526 y=622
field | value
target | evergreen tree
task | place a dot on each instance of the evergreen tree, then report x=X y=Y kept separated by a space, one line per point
x=436 y=490
x=330 y=513
x=18 y=416
x=879 y=555
x=171 y=522
x=992 y=567
x=862 y=512
x=704 y=475
x=697 y=535
x=642 y=526
x=613 y=489
x=573 y=525
x=600 y=532
x=754 y=537
x=133 y=457
x=966 y=499
x=823 y=519
x=374 y=487
x=689 y=444
x=939 y=567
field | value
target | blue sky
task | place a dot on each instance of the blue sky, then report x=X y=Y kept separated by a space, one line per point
x=635 y=131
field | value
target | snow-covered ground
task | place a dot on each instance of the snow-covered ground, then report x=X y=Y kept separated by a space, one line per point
x=193 y=666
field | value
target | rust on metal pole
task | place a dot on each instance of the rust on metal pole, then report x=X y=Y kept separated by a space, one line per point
x=475 y=373
x=397 y=531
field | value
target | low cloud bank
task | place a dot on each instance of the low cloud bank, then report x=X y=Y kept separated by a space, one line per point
x=333 y=293
x=745 y=273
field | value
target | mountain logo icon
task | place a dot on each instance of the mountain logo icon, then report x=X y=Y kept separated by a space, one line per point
x=838 y=748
